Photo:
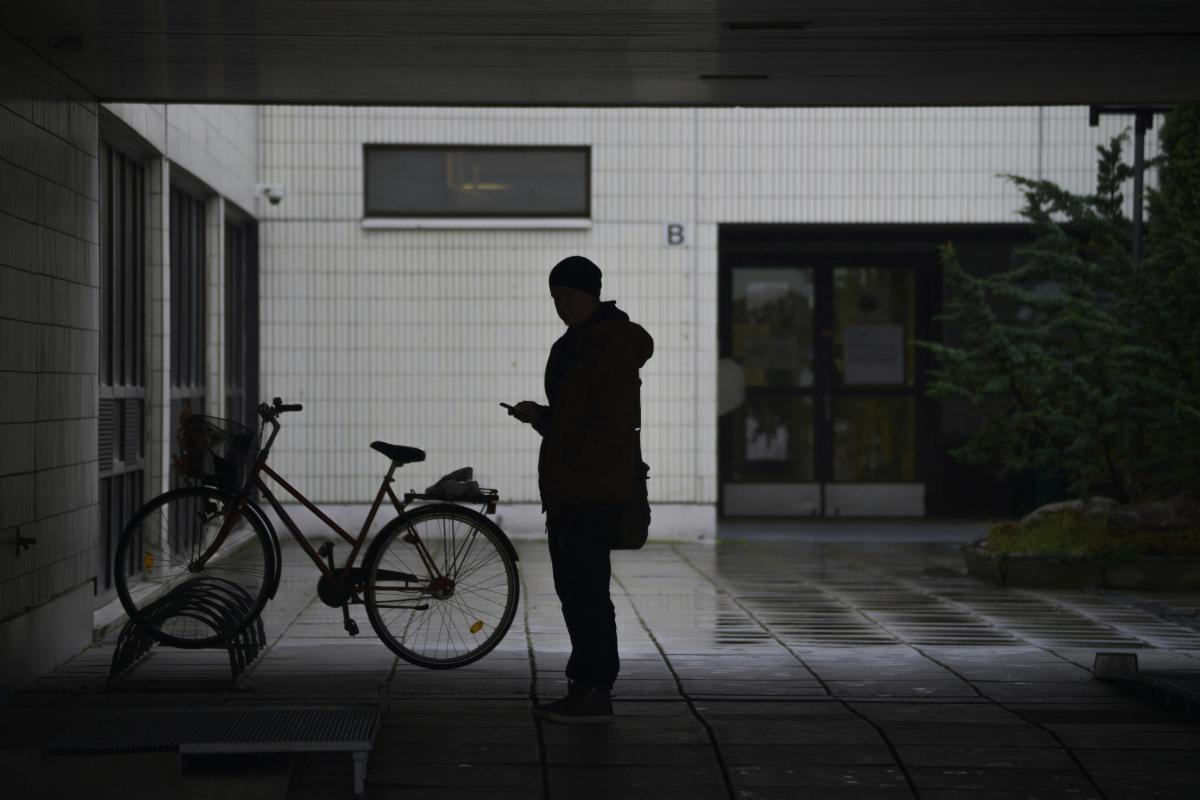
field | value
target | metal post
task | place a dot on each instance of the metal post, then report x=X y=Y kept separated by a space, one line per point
x=360 y=772
x=1142 y=122
x=1143 y=117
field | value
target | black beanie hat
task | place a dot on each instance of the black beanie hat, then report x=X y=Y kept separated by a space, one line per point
x=577 y=272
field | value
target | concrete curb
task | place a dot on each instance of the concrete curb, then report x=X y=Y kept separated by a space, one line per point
x=1066 y=572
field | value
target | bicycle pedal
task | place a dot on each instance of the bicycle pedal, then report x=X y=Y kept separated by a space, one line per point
x=348 y=622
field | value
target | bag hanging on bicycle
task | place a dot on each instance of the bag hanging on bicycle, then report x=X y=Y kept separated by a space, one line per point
x=633 y=523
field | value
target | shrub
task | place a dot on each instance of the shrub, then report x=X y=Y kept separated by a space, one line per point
x=1098 y=377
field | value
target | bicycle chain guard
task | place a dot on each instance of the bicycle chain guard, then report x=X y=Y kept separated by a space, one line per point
x=336 y=596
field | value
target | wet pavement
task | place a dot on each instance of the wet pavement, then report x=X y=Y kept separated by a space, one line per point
x=750 y=669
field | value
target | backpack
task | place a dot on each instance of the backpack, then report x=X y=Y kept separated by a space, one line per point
x=633 y=522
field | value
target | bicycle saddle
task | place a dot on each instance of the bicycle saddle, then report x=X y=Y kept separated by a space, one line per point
x=398 y=452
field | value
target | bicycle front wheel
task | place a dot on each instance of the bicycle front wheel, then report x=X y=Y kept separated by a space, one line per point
x=178 y=586
x=441 y=586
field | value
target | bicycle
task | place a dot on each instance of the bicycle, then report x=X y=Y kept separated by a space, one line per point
x=439 y=582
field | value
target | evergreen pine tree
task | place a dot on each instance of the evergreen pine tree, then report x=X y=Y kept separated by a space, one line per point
x=1097 y=379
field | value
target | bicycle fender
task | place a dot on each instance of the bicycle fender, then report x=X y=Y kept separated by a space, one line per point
x=417 y=513
x=253 y=510
x=483 y=521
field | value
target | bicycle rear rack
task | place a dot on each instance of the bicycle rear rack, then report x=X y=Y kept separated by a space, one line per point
x=477 y=497
x=215 y=602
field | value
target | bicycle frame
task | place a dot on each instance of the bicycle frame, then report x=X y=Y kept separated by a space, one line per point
x=340 y=578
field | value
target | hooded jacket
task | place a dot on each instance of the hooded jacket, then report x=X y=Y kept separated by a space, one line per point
x=588 y=452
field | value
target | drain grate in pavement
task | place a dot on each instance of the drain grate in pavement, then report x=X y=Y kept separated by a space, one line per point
x=215 y=732
x=244 y=730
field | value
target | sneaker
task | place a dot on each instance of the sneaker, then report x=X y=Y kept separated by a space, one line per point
x=583 y=705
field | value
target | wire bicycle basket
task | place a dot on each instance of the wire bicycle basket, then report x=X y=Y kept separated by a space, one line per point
x=216 y=451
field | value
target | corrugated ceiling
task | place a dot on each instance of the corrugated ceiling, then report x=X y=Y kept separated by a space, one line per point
x=619 y=52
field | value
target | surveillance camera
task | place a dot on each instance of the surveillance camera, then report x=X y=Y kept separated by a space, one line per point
x=273 y=193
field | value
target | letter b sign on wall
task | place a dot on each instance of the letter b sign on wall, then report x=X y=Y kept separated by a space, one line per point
x=675 y=234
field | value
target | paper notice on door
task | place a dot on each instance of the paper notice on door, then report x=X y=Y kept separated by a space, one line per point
x=765 y=443
x=873 y=354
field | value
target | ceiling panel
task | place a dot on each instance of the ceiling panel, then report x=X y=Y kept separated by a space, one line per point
x=617 y=52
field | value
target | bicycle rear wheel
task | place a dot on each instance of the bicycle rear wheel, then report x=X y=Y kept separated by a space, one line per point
x=441 y=586
x=166 y=587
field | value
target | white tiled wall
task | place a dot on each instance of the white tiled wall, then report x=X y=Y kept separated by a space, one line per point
x=898 y=165
x=48 y=356
x=49 y=331
x=414 y=336
x=217 y=144
x=158 y=328
x=215 y=244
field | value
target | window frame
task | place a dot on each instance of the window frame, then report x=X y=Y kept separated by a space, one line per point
x=122 y=370
x=241 y=322
x=550 y=219
x=188 y=235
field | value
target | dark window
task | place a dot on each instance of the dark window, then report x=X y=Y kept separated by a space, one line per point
x=122 y=389
x=189 y=374
x=241 y=321
x=441 y=181
x=188 y=285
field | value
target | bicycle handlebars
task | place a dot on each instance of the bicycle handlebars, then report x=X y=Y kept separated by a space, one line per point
x=277 y=407
x=270 y=416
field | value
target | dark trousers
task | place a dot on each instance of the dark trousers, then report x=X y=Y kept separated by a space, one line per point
x=579 y=555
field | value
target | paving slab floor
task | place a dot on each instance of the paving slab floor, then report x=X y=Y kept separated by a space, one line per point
x=751 y=669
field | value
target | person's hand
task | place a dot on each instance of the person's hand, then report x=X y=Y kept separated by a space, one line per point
x=526 y=411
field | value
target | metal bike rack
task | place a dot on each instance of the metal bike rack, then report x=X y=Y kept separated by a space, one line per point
x=214 y=602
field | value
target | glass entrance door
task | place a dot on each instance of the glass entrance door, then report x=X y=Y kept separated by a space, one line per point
x=871 y=394
x=771 y=433
x=819 y=398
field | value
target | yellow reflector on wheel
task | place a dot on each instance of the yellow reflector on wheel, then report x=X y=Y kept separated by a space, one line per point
x=148 y=561
x=477 y=626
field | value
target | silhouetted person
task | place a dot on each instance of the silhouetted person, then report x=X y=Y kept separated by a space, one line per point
x=585 y=473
